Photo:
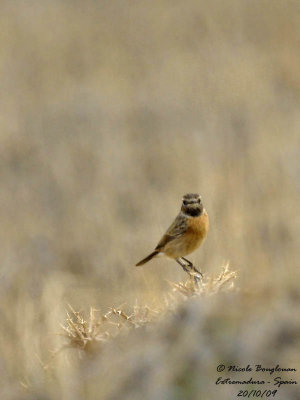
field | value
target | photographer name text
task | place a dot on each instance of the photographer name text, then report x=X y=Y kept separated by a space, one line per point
x=275 y=376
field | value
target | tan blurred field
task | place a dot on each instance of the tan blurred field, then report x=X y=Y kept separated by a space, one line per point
x=109 y=112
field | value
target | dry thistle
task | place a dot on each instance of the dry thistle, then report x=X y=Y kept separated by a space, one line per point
x=89 y=334
x=82 y=333
x=207 y=286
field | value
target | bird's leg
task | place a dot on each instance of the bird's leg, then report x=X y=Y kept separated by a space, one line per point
x=193 y=268
x=182 y=265
x=190 y=264
x=189 y=270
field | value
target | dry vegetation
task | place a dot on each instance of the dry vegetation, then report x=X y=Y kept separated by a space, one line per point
x=109 y=112
x=88 y=333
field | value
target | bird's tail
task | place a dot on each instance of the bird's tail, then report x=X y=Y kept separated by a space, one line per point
x=148 y=258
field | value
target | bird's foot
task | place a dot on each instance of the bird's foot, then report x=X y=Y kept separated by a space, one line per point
x=193 y=271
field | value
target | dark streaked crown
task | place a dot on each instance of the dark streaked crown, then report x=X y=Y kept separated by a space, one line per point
x=192 y=204
x=191 y=196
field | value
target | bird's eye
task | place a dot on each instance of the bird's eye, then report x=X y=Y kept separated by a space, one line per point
x=199 y=201
x=185 y=202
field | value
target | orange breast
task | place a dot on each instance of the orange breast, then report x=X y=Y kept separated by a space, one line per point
x=185 y=244
x=198 y=226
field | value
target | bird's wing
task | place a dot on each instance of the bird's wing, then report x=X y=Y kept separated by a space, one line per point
x=177 y=228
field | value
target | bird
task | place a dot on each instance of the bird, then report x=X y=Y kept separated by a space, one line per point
x=184 y=235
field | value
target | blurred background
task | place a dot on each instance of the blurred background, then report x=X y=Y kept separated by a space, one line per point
x=109 y=112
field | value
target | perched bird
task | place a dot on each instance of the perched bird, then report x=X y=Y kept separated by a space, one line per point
x=184 y=235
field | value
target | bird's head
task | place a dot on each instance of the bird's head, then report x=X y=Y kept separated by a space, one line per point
x=192 y=204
